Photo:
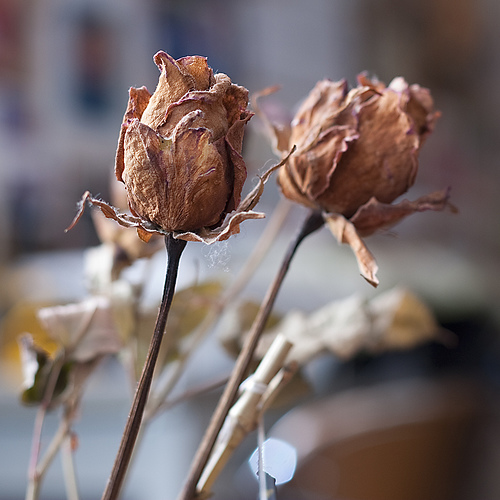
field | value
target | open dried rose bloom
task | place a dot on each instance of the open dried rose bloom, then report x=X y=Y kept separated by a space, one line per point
x=357 y=151
x=179 y=155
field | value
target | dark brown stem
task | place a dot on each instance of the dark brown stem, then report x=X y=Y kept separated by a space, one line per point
x=115 y=481
x=311 y=224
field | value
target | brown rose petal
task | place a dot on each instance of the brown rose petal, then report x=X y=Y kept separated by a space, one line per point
x=172 y=85
x=214 y=116
x=137 y=103
x=317 y=113
x=360 y=172
x=199 y=69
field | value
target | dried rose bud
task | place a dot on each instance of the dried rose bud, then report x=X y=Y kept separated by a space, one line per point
x=179 y=152
x=352 y=146
x=357 y=151
x=179 y=156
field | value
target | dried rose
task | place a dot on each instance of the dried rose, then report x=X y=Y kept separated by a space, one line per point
x=357 y=151
x=179 y=155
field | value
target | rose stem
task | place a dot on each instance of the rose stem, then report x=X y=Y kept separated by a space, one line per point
x=115 y=481
x=313 y=222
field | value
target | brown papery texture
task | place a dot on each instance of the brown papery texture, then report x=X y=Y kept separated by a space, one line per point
x=356 y=145
x=179 y=150
x=357 y=151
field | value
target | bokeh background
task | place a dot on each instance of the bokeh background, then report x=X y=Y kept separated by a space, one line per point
x=65 y=69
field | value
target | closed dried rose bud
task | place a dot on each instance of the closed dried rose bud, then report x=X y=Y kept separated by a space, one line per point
x=179 y=152
x=357 y=151
x=179 y=155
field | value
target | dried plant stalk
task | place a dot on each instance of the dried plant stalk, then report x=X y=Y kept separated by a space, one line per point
x=311 y=224
x=243 y=416
x=132 y=427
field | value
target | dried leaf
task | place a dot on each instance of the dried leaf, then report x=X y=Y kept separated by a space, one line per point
x=21 y=318
x=37 y=367
x=236 y=322
x=395 y=319
x=86 y=329
x=400 y=321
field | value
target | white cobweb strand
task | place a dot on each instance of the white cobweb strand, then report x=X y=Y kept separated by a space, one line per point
x=218 y=256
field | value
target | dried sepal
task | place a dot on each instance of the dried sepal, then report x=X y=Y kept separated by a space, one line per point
x=278 y=128
x=374 y=215
x=345 y=232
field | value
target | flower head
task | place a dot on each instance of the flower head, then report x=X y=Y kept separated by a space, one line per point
x=357 y=151
x=179 y=154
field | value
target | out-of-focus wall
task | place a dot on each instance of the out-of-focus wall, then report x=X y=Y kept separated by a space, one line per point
x=66 y=65
x=66 y=68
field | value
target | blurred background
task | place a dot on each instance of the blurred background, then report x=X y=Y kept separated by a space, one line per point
x=65 y=69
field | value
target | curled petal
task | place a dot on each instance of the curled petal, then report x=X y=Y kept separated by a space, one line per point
x=318 y=112
x=345 y=232
x=213 y=115
x=305 y=169
x=174 y=82
x=137 y=102
x=198 y=68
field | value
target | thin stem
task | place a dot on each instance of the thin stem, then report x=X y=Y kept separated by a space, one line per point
x=311 y=224
x=68 y=465
x=115 y=481
x=185 y=396
x=261 y=248
x=36 y=472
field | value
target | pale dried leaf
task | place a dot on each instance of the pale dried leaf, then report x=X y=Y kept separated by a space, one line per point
x=86 y=329
x=400 y=321
x=393 y=320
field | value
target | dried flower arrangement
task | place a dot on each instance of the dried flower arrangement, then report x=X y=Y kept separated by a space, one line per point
x=347 y=155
